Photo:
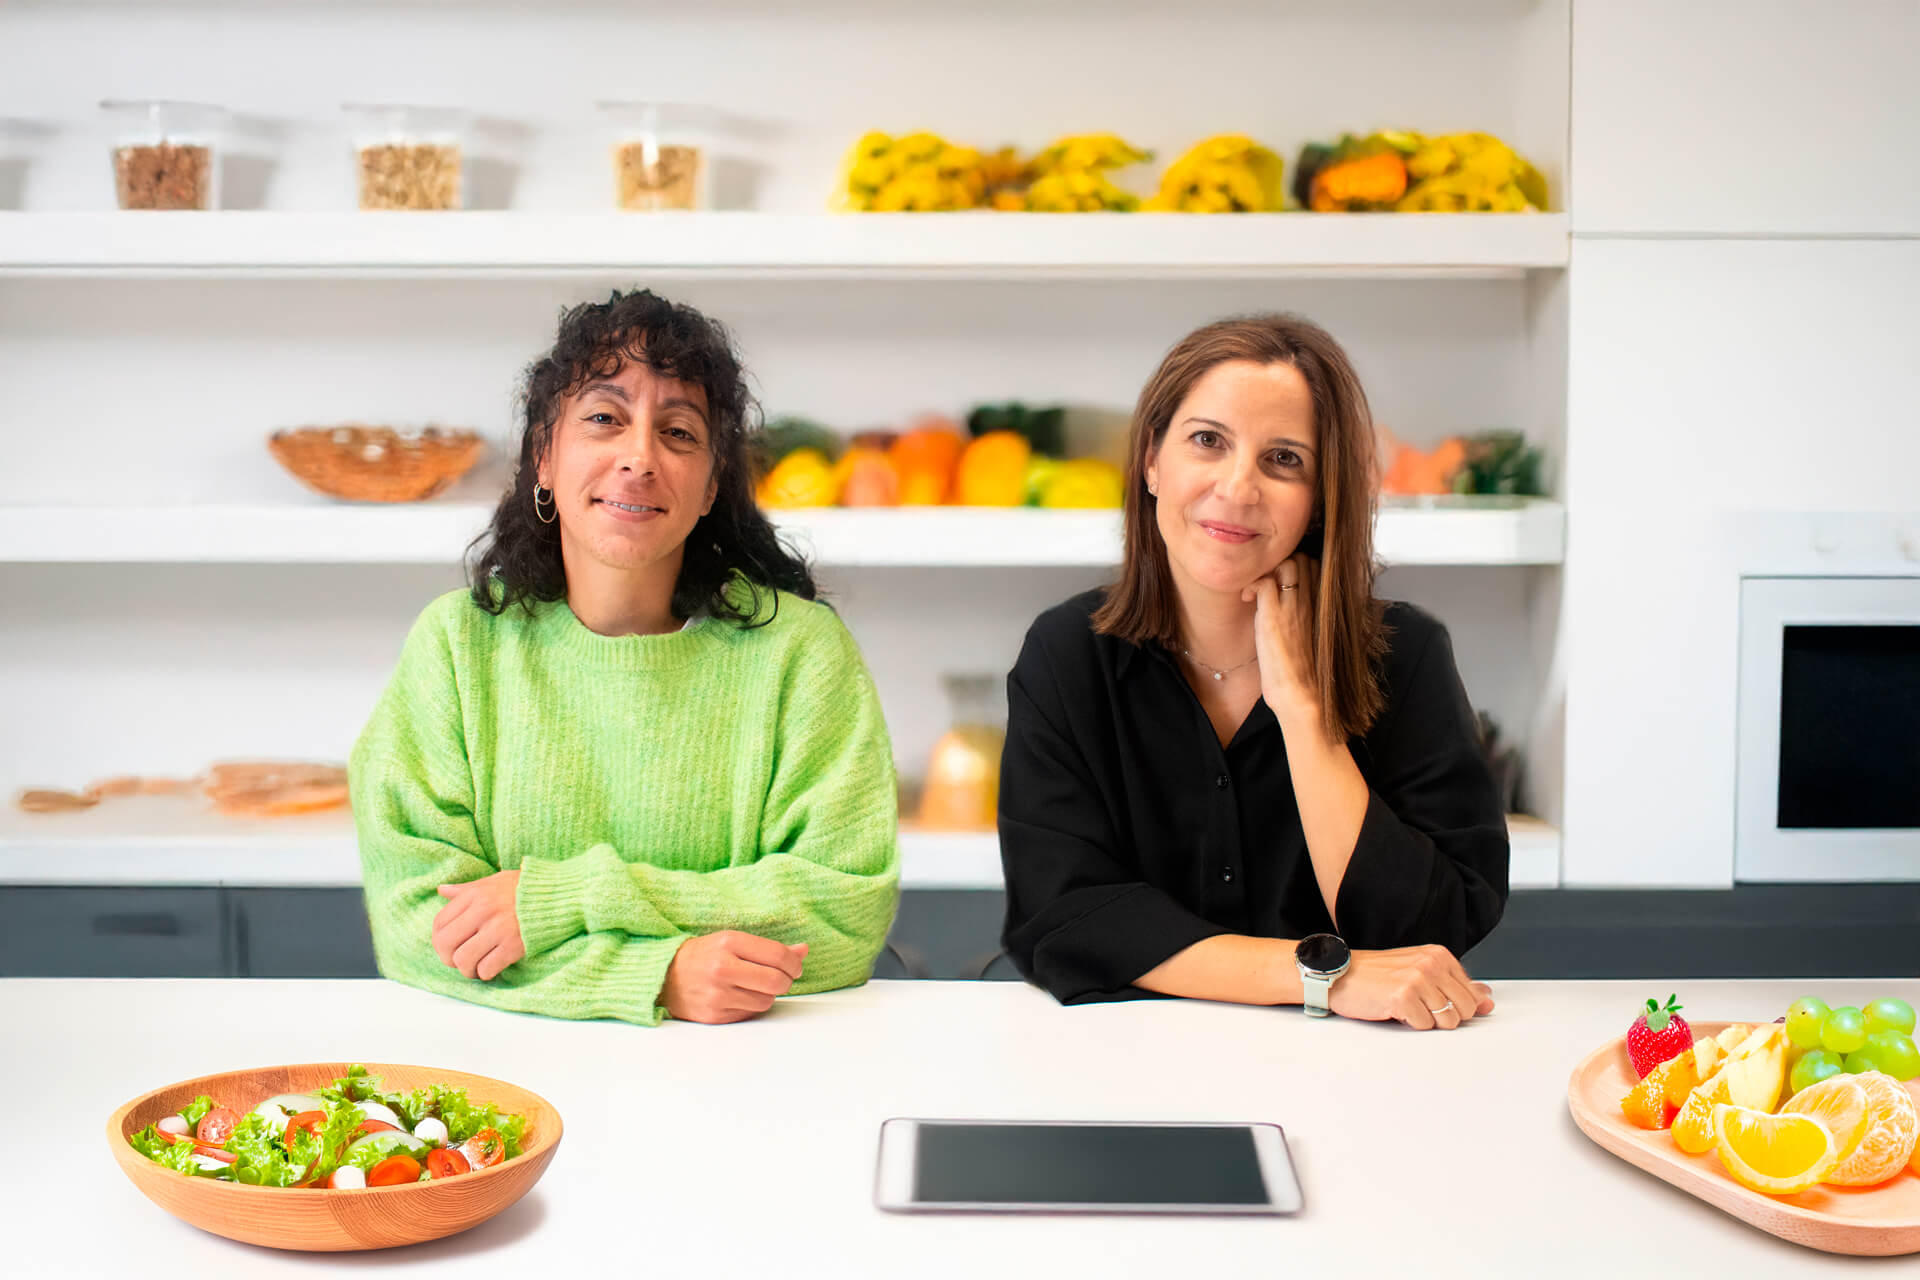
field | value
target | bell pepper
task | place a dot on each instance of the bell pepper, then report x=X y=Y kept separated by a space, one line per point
x=993 y=471
x=804 y=478
x=1085 y=484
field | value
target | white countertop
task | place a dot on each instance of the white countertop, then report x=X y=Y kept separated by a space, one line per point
x=749 y=1150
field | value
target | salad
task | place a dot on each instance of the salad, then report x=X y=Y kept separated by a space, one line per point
x=347 y=1135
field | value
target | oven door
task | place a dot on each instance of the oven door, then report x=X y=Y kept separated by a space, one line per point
x=1828 y=784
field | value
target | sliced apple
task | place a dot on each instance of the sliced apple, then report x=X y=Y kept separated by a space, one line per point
x=1757 y=1071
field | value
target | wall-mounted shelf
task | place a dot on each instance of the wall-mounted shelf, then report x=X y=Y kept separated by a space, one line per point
x=1445 y=532
x=1012 y=246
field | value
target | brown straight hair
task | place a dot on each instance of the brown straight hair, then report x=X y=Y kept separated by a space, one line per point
x=1349 y=633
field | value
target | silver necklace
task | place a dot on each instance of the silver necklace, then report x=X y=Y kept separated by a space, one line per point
x=1216 y=672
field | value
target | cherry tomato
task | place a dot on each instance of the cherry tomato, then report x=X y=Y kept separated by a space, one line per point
x=484 y=1149
x=445 y=1162
x=394 y=1171
x=306 y=1122
x=217 y=1125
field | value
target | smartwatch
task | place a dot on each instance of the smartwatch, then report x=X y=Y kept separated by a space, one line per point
x=1320 y=957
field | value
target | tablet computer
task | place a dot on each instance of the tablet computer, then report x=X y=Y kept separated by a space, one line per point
x=1072 y=1166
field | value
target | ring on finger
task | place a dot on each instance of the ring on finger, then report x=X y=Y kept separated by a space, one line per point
x=1442 y=1009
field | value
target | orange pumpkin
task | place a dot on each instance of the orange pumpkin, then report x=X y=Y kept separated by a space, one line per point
x=993 y=471
x=867 y=478
x=1415 y=472
x=925 y=458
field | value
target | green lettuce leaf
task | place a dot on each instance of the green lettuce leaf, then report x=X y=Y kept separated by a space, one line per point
x=196 y=1111
x=463 y=1119
x=264 y=1161
x=160 y=1149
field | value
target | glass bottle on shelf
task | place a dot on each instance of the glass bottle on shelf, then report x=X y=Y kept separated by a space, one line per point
x=962 y=790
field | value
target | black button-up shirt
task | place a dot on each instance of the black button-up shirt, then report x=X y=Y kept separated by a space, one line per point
x=1128 y=833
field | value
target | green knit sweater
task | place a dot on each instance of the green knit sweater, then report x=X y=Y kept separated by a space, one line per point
x=648 y=788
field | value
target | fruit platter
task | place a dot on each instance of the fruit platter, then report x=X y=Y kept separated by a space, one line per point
x=1807 y=1127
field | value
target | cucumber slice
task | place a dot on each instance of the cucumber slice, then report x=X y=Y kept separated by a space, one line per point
x=386 y=1142
x=380 y=1111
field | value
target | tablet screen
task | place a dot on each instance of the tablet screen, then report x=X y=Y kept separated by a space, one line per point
x=1087 y=1164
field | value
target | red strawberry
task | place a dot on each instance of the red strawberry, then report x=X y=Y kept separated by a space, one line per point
x=1657 y=1035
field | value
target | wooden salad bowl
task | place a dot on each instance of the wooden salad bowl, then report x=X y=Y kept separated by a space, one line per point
x=1876 y=1221
x=315 y=1220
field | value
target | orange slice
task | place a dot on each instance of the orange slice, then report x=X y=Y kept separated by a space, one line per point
x=1842 y=1104
x=1889 y=1141
x=1679 y=1077
x=1646 y=1105
x=1693 y=1127
x=1778 y=1155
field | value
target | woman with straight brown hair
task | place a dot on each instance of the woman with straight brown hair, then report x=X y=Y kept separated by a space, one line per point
x=1235 y=774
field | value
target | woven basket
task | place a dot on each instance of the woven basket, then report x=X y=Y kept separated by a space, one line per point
x=376 y=464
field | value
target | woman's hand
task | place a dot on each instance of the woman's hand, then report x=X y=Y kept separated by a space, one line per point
x=729 y=976
x=1424 y=987
x=478 y=931
x=1283 y=634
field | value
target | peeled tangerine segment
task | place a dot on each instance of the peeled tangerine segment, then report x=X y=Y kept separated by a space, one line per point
x=1839 y=1102
x=1779 y=1155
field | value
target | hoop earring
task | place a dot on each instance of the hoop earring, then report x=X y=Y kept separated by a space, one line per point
x=550 y=503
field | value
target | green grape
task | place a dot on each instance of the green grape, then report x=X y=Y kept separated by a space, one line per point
x=1888 y=1014
x=1895 y=1052
x=1814 y=1066
x=1845 y=1030
x=1860 y=1061
x=1804 y=1018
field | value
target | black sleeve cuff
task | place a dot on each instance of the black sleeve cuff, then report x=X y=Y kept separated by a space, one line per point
x=1096 y=954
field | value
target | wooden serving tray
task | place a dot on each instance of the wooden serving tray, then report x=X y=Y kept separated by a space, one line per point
x=1876 y=1221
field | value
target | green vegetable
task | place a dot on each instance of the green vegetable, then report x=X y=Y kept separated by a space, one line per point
x=358 y=1085
x=160 y=1149
x=196 y=1111
x=263 y=1160
x=1499 y=462
x=1044 y=429
x=463 y=1120
x=782 y=436
x=1314 y=157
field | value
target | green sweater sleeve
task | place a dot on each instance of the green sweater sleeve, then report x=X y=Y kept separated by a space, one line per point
x=413 y=805
x=829 y=871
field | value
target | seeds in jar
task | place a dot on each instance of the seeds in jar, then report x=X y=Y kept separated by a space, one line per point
x=398 y=175
x=656 y=177
x=164 y=175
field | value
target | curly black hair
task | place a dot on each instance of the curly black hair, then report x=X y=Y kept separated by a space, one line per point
x=517 y=560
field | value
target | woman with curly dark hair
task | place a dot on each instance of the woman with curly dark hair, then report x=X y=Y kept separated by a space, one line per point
x=637 y=769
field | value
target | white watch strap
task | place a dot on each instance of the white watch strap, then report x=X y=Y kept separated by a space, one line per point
x=1315 y=989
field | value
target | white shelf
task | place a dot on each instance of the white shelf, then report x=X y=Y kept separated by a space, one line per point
x=759 y=244
x=173 y=841
x=1446 y=532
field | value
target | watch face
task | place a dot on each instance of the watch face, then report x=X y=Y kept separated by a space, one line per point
x=1322 y=953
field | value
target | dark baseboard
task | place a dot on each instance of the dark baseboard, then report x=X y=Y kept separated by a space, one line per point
x=1750 y=931
x=1753 y=931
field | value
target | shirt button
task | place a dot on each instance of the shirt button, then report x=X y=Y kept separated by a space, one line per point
x=1226 y=875
x=1221 y=782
